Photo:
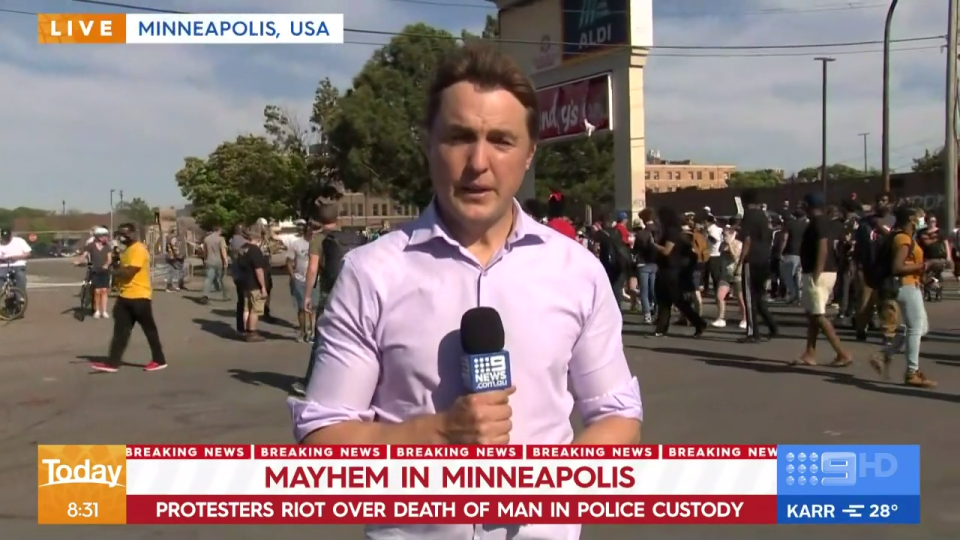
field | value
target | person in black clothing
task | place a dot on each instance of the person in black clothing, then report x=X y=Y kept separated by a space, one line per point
x=645 y=258
x=756 y=235
x=252 y=269
x=848 y=287
x=819 y=274
x=790 y=256
x=614 y=256
x=777 y=288
x=672 y=252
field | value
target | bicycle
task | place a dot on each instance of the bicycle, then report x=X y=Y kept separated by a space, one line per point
x=86 y=295
x=13 y=299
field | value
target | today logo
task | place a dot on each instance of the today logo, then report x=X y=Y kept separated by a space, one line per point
x=59 y=473
x=94 y=475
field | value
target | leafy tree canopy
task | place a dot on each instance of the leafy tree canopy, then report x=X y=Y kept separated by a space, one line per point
x=136 y=210
x=837 y=171
x=755 y=179
x=929 y=162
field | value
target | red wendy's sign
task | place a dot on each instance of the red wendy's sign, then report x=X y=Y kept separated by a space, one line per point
x=563 y=108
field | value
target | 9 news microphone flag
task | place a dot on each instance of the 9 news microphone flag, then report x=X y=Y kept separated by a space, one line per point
x=521 y=485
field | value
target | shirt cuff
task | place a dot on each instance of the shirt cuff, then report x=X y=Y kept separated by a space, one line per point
x=309 y=416
x=623 y=401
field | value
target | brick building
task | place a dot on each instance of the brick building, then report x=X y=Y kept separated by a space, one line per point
x=664 y=176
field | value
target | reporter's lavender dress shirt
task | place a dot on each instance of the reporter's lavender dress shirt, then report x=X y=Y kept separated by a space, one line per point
x=389 y=346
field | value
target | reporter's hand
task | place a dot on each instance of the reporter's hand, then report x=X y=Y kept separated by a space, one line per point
x=481 y=418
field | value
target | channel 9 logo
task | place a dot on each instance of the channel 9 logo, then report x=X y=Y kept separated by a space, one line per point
x=841 y=469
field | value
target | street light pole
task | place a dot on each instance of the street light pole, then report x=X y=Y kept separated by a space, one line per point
x=885 y=115
x=111 y=211
x=950 y=138
x=823 y=134
x=865 y=167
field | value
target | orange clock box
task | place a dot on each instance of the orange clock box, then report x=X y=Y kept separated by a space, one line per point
x=81 y=484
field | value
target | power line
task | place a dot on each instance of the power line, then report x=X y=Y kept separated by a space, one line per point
x=765 y=11
x=655 y=54
x=107 y=3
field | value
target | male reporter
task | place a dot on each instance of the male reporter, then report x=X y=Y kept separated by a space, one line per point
x=388 y=362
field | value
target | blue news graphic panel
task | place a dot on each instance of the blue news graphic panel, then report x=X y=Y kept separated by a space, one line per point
x=836 y=484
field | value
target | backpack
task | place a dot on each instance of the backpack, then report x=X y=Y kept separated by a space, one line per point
x=333 y=249
x=614 y=254
x=643 y=249
x=879 y=276
x=701 y=249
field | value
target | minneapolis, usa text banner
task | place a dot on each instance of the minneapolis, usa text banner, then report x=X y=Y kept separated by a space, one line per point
x=186 y=29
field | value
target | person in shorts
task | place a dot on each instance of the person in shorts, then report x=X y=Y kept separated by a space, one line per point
x=298 y=262
x=252 y=268
x=818 y=266
x=98 y=258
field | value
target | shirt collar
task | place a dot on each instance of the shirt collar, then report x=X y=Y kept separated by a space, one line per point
x=428 y=227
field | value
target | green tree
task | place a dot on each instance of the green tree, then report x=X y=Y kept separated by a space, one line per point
x=929 y=162
x=379 y=135
x=323 y=156
x=582 y=169
x=300 y=146
x=837 y=171
x=755 y=179
x=9 y=215
x=491 y=30
x=136 y=210
x=240 y=181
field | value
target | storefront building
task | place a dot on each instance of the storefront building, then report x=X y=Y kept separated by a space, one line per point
x=587 y=59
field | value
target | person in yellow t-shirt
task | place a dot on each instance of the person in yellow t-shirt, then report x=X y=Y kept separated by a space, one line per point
x=908 y=266
x=134 y=305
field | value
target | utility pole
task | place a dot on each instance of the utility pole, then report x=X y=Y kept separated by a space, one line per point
x=885 y=114
x=823 y=134
x=950 y=138
x=63 y=208
x=865 y=168
x=111 y=211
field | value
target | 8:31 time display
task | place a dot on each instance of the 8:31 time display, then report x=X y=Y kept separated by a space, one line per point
x=83 y=510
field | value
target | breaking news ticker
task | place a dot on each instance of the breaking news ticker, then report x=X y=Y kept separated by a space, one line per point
x=509 y=485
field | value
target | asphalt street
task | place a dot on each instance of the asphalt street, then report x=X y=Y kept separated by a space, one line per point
x=219 y=390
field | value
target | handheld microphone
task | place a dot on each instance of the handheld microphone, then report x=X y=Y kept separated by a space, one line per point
x=486 y=366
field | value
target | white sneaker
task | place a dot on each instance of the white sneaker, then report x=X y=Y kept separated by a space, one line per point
x=719 y=323
x=105 y=315
x=743 y=325
x=96 y=315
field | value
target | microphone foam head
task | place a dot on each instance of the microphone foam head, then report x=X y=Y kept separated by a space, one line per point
x=481 y=331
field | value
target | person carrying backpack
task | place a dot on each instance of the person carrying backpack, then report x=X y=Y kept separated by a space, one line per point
x=899 y=276
x=328 y=247
x=615 y=257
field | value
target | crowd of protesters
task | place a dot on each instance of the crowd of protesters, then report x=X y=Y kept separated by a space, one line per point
x=870 y=269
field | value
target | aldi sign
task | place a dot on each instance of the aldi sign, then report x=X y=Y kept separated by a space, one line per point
x=591 y=26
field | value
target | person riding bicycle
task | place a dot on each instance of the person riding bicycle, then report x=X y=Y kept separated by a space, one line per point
x=14 y=252
x=98 y=258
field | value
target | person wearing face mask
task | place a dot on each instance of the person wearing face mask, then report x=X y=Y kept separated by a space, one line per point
x=904 y=266
x=134 y=305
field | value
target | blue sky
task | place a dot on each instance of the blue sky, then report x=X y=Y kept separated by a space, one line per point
x=78 y=121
